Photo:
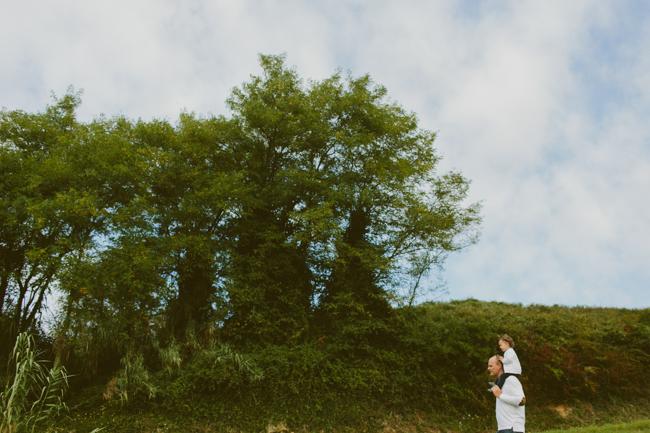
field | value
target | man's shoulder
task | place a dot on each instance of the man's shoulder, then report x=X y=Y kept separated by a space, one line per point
x=512 y=378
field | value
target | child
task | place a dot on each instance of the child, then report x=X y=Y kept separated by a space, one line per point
x=509 y=359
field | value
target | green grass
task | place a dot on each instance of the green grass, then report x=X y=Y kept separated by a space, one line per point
x=192 y=419
x=157 y=424
x=642 y=426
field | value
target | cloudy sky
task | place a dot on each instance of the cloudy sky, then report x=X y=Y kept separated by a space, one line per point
x=544 y=105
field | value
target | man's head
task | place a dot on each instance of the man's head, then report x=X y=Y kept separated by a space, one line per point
x=495 y=367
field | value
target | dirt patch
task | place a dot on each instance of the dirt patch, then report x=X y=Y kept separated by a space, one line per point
x=563 y=410
x=277 y=428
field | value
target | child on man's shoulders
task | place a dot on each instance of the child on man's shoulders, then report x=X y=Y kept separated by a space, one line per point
x=509 y=359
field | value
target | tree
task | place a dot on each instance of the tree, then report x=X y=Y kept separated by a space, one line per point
x=396 y=213
x=57 y=188
x=192 y=188
x=65 y=183
x=344 y=195
x=162 y=259
x=295 y=215
x=272 y=267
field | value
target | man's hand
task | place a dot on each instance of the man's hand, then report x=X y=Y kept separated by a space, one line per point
x=496 y=391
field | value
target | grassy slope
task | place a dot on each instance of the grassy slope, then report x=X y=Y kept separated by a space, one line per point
x=578 y=362
x=159 y=423
x=642 y=426
x=575 y=417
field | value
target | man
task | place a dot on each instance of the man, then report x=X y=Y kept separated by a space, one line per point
x=510 y=399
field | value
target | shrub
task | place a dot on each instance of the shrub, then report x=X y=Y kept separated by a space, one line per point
x=216 y=369
x=170 y=357
x=132 y=381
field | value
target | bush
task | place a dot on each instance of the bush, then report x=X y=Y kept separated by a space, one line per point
x=216 y=369
x=132 y=382
x=170 y=357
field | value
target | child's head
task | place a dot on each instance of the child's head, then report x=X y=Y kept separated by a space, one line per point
x=506 y=342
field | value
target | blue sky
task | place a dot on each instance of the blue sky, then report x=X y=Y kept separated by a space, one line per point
x=544 y=105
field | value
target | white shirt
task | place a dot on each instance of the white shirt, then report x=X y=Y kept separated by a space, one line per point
x=509 y=413
x=511 y=362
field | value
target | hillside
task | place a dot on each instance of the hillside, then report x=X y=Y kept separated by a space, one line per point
x=423 y=370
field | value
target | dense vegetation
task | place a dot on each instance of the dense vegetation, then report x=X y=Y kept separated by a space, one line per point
x=309 y=212
x=307 y=209
x=266 y=266
x=581 y=366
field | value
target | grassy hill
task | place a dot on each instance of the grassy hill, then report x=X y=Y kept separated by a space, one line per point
x=422 y=371
x=642 y=426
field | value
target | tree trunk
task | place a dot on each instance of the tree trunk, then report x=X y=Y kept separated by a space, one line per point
x=4 y=286
x=271 y=283
x=195 y=288
x=352 y=288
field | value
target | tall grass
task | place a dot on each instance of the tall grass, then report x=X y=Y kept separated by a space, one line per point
x=170 y=357
x=133 y=380
x=32 y=392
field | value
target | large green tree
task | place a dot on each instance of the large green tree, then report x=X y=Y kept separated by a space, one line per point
x=274 y=266
x=61 y=180
x=298 y=213
x=344 y=196
x=160 y=269
x=193 y=192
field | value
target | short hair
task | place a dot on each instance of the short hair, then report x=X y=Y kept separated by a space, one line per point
x=497 y=360
x=508 y=339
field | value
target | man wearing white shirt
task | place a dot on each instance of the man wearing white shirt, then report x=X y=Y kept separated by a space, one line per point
x=510 y=399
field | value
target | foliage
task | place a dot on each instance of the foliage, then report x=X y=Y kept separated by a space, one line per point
x=33 y=393
x=434 y=360
x=171 y=357
x=298 y=213
x=429 y=373
x=132 y=381
x=113 y=306
x=217 y=369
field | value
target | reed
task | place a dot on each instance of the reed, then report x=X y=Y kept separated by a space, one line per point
x=32 y=392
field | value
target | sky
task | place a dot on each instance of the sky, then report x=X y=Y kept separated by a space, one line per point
x=544 y=105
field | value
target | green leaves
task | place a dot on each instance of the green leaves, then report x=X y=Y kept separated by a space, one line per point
x=49 y=211
x=311 y=197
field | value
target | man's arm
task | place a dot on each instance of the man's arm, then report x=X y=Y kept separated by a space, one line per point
x=512 y=392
